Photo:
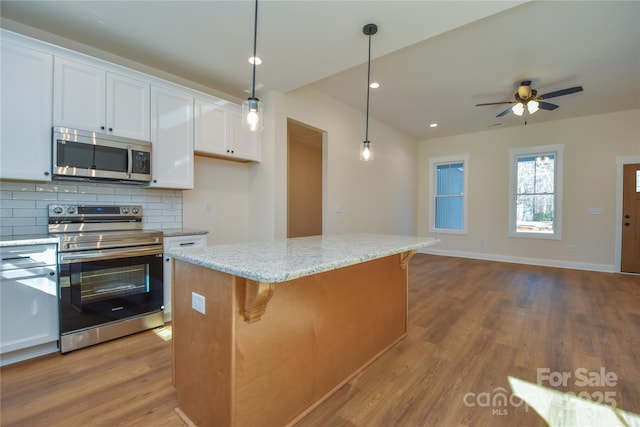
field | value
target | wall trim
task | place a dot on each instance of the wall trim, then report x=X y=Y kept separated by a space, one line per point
x=605 y=268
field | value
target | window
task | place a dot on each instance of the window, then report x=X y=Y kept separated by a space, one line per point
x=535 y=192
x=448 y=194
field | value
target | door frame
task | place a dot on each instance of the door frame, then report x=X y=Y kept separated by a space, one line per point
x=620 y=162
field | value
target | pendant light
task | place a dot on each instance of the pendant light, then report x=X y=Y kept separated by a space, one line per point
x=252 y=108
x=365 y=153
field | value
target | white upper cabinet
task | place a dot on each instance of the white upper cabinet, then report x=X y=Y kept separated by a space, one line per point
x=246 y=144
x=172 y=139
x=91 y=98
x=27 y=91
x=219 y=132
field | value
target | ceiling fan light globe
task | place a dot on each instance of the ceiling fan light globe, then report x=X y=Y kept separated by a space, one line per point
x=532 y=106
x=518 y=109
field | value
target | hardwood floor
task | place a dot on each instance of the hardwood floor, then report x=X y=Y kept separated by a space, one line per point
x=471 y=325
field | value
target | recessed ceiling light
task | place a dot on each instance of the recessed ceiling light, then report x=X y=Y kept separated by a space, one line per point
x=433 y=125
x=257 y=60
x=374 y=85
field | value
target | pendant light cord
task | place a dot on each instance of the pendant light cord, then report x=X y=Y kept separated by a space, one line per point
x=255 y=41
x=366 y=138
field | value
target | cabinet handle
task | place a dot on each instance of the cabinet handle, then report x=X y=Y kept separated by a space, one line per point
x=52 y=273
x=187 y=244
x=46 y=174
x=110 y=129
x=101 y=127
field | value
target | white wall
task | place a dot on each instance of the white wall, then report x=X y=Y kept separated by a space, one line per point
x=219 y=202
x=376 y=197
x=591 y=145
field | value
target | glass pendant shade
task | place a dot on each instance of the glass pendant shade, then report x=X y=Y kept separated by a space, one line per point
x=252 y=115
x=365 y=153
x=532 y=106
x=518 y=109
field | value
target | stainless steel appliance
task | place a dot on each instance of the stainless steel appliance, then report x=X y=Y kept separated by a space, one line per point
x=110 y=273
x=86 y=155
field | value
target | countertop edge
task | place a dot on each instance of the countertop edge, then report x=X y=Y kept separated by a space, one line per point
x=296 y=273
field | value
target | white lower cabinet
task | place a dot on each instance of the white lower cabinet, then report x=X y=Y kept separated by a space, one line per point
x=185 y=241
x=29 y=325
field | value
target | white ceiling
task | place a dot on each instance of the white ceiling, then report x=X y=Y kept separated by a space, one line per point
x=434 y=59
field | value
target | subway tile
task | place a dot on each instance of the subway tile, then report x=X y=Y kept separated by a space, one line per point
x=57 y=188
x=19 y=204
x=77 y=198
x=32 y=195
x=131 y=191
x=114 y=198
x=84 y=189
x=17 y=186
x=14 y=222
x=30 y=230
x=6 y=212
x=31 y=212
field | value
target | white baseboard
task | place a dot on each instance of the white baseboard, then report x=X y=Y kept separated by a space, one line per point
x=606 y=268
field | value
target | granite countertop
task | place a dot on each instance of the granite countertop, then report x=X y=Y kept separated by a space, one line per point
x=29 y=239
x=288 y=259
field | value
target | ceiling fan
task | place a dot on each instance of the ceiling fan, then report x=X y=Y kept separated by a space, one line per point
x=528 y=98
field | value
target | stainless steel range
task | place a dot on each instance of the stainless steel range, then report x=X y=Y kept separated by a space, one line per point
x=110 y=279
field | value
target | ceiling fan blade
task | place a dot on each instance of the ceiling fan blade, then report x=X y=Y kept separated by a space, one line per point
x=547 y=106
x=505 y=112
x=494 y=103
x=561 y=92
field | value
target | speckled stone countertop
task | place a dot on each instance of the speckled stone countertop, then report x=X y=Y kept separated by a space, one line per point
x=35 y=239
x=288 y=259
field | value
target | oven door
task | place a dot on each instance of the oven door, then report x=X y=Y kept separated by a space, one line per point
x=104 y=286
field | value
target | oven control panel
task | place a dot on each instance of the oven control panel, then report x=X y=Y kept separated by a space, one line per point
x=91 y=211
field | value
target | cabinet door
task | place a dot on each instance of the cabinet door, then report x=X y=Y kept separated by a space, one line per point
x=128 y=106
x=172 y=139
x=172 y=243
x=27 y=93
x=245 y=144
x=211 y=127
x=78 y=96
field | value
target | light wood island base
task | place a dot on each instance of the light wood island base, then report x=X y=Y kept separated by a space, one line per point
x=266 y=354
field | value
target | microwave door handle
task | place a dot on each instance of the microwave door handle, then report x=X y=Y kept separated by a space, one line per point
x=129 y=161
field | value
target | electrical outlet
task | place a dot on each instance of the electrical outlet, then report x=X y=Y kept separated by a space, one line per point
x=197 y=302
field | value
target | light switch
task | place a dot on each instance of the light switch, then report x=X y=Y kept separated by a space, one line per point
x=595 y=211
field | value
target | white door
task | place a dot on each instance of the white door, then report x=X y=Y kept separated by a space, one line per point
x=27 y=91
x=172 y=139
x=128 y=107
x=245 y=144
x=211 y=127
x=78 y=96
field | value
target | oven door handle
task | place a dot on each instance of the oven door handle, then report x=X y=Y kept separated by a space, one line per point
x=101 y=255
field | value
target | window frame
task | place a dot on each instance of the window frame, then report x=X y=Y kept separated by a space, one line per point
x=434 y=162
x=514 y=153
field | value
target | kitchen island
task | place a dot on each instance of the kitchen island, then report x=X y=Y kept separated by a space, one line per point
x=265 y=331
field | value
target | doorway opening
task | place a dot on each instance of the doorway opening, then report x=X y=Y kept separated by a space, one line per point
x=304 y=179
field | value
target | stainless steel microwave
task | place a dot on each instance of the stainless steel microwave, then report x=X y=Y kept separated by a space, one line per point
x=90 y=155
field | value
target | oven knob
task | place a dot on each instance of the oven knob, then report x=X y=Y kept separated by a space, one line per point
x=134 y=211
x=71 y=209
x=125 y=210
x=57 y=210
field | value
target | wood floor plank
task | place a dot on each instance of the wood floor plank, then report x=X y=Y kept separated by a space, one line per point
x=472 y=324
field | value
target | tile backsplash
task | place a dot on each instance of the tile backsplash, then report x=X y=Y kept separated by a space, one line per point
x=24 y=205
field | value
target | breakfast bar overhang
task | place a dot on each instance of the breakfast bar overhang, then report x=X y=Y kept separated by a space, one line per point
x=285 y=324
